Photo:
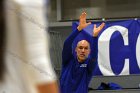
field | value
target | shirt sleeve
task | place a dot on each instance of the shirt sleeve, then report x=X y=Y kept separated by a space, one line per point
x=93 y=56
x=67 y=48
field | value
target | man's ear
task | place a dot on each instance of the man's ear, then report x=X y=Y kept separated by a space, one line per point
x=89 y=51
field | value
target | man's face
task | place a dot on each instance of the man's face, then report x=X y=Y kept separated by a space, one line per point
x=82 y=50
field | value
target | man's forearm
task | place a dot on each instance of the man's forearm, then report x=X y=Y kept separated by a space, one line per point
x=67 y=48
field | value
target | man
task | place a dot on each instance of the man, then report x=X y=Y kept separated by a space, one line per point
x=77 y=69
x=27 y=61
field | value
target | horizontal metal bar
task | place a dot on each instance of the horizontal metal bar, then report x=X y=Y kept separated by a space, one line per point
x=104 y=19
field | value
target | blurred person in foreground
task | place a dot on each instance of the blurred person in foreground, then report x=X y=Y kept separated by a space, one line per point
x=24 y=52
x=77 y=68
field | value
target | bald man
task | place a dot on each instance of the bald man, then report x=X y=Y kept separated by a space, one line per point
x=77 y=70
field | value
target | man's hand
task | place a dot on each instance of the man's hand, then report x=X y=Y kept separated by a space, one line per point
x=96 y=30
x=83 y=23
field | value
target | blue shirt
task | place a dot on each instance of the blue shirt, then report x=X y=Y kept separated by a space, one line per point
x=75 y=76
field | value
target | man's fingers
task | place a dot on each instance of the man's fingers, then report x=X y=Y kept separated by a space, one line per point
x=83 y=15
x=94 y=26
x=102 y=25
x=97 y=30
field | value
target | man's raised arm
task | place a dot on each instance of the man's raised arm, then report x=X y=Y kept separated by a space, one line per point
x=67 y=48
x=93 y=54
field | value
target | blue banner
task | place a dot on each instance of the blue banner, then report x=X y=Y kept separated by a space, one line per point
x=118 y=47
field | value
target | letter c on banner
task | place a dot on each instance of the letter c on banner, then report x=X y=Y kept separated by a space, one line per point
x=103 y=50
x=138 y=50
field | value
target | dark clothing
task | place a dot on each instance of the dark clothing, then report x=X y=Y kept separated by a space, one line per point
x=75 y=76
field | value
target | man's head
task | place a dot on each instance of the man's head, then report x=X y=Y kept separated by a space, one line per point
x=82 y=50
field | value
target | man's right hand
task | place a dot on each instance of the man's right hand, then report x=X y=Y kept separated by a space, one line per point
x=83 y=23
